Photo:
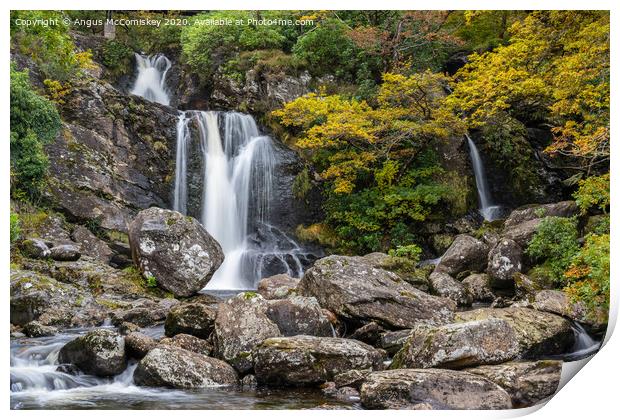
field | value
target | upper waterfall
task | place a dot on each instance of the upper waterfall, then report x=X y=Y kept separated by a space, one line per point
x=487 y=209
x=151 y=78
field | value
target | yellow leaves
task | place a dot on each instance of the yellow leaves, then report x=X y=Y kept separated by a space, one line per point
x=56 y=91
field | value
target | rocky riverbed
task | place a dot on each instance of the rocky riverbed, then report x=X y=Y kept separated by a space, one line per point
x=353 y=332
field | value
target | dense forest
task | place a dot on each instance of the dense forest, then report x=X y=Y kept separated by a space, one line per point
x=380 y=111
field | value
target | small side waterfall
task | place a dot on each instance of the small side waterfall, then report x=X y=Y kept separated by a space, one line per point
x=487 y=209
x=238 y=165
x=151 y=79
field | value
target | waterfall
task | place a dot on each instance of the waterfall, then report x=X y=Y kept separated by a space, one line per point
x=151 y=79
x=487 y=209
x=238 y=165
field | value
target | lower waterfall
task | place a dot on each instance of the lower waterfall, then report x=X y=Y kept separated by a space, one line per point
x=488 y=210
x=237 y=175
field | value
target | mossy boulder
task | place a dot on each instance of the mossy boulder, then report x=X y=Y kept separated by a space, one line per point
x=190 y=318
x=99 y=352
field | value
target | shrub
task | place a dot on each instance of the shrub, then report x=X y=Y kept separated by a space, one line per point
x=116 y=56
x=34 y=122
x=556 y=244
x=593 y=192
x=15 y=229
x=588 y=277
x=411 y=252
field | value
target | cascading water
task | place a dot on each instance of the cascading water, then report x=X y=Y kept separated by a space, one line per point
x=237 y=179
x=151 y=78
x=487 y=209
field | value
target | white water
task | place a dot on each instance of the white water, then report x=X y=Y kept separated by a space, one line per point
x=488 y=210
x=238 y=166
x=151 y=78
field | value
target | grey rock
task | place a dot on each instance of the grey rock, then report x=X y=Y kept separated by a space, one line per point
x=442 y=284
x=65 y=253
x=279 y=286
x=174 y=249
x=306 y=360
x=299 y=316
x=531 y=212
x=98 y=352
x=36 y=329
x=522 y=233
x=538 y=333
x=190 y=318
x=393 y=341
x=241 y=325
x=174 y=367
x=138 y=344
x=528 y=383
x=465 y=254
x=351 y=378
x=455 y=346
x=34 y=248
x=189 y=342
x=436 y=388
x=479 y=287
x=504 y=263
x=356 y=291
x=369 y=333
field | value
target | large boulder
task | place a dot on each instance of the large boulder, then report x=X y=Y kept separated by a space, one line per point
x=538 y=333
x=439 y=389
x=442 y=284
x=473 y=343
x=504 y=263
x=241 y=324
x=65 y=252
x=526 y=213
x=299 y=316
x=522 y=233
x=465 y=254
x=174 y=367
x=174 y=249
x=190 y=318
x=356 y=291
x=305 y=360
x=279 y=286
x=527 y=382
x=98 y=352
x=558 y=302
x=36 y=329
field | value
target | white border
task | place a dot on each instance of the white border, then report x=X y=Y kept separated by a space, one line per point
x=592 y=394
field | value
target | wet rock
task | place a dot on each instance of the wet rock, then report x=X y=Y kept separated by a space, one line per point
x=68 y=369
x=306 y=360
x=299 y=316
x=189 y=342
x=36 y=329
x=138 y=344
x=442 y=284
x=455 y=346
x=279 y=286
x=539 y=333
x=504 y=263
x=174 y=249
x=127 y=328
x=479 y=288
x=356 y=291
x=174 y=367
x=241 y=324
x=190 y=318
x=393 y=341
x=437 y=388
x=351 y=378
x=465 y=254
x=98 y=352
x=144 y=312
x=249 y=381
x=528 y=383
x=34 y=248
x=65 y=253
x=524 y=214
x=347 y=394
x=369 y=333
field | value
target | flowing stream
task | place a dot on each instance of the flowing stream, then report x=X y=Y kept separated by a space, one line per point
x=151 y=78
x=487 y=209
x=37 y=384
